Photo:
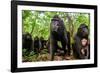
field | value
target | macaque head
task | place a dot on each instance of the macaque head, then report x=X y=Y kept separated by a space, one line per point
x=56 y=23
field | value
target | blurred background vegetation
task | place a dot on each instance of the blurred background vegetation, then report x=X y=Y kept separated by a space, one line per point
x=37 y=23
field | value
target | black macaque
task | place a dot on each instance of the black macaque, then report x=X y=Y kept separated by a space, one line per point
x=85 y=50
x=58 y=33
x=27 y=41
x=81 y=46
x=43 y=43
x=36 y=44
x=39 y=44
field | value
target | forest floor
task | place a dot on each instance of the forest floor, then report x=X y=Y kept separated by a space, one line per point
x=44 y=56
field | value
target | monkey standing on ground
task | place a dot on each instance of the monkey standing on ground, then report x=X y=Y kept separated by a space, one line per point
x=58 y=33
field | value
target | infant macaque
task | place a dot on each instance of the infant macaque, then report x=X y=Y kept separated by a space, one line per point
x=85 y=47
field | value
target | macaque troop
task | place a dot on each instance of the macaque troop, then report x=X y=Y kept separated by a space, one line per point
x=59 y=34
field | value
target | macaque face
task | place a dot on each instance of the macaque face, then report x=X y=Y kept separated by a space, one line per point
x=83 y=30
x=55 y=25
x=84 y=42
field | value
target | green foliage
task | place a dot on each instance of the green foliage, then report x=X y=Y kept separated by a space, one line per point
x=38 y=22
x=24 y=52
x=33 y=57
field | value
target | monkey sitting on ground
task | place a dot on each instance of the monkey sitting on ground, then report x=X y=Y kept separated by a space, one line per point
x=81 y=45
